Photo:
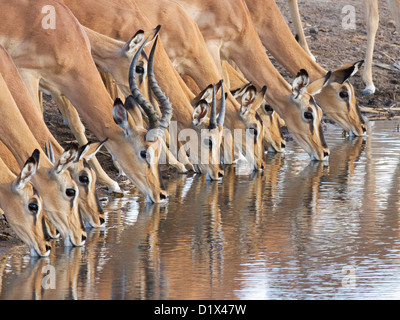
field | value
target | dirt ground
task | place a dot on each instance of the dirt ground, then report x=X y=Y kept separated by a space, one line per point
x=332 y=46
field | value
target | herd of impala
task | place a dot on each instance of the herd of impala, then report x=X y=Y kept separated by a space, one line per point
x=199 y=67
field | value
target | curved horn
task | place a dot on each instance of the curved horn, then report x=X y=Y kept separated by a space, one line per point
x=221 y=116
x=165 y=104
x=213 y=115
x=137 y=96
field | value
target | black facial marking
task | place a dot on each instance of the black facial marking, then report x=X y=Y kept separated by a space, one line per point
x=311 y=123
x=321 y=135
x=259 y=118
x=86 y=164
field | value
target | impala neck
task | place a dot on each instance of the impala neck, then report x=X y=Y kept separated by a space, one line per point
x=276 y=36
x=25 y=104
x=121 y=22
x=20 y=141
x=104 y=50
x=6 y=175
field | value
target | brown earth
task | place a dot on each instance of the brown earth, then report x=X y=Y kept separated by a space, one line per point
x=332 y=45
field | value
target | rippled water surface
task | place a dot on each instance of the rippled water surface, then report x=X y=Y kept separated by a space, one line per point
x=299 y=230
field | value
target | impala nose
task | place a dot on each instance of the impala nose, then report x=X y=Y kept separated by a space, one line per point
x=326 y=154
x=102 y=220
x=48 y=247
x=220 y=174
x=83 y=238
x=283 y=145
x=163 y=196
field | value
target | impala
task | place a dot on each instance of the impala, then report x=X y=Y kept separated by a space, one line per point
x=372 y=17
x=23 y=206
x=124 y=16
x=226 y=36
x=189 y=54
x=53 y=181
x=337 y=98
x=199 y=145
x=272 y=138
x=88 y=201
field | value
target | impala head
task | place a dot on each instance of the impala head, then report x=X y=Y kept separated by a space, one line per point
x=205 y=148
x=146 y=143
x=250 y=101
x=339 y=101
x=271 y=122
x=304 y=123
x=60 y=197
x=126 y=54
x=273 y=140
x=85 y=177
x=23 y=208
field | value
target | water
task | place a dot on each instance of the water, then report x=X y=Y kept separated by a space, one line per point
x=296 y=231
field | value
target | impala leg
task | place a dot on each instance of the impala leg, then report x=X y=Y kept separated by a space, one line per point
x=294 y=12
x=74 y=122
x=372 y=16
x=170 y=158
x=394 y=6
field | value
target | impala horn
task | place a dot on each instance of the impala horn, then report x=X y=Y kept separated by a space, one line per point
x=213 y=114
x=139 y=98
x=165 y=104
x=221 y=116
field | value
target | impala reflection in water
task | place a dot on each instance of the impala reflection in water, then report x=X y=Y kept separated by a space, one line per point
x=297 y=230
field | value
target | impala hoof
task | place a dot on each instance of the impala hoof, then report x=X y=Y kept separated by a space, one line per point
x=369 y=90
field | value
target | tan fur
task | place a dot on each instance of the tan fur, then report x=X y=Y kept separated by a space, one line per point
x=279 y=41
x=66 y=68
x=226 y=35
x=88 y=202
x=52 y=181
x=190 y=56
x=27 y=224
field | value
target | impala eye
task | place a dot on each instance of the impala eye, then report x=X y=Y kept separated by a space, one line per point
x=343 y=94
x=139 y=69
x=84 y=179
x=70 y=192
x=253 y=131
x=308 y=115
x=143 y=154
x=268 y=108
x=33 y=207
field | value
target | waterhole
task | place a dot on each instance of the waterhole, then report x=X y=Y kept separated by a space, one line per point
x=297 y=230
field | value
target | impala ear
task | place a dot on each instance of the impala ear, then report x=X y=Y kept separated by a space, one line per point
x=89 y=150
x=247 y=100
x=66 y=159
x=136 y=41
x=240 y=91
x=28 y=170
x=200 y=112
x=260 y=98
x=121 y=117
x=343 y=73
x=316 y=86
x=134 y=110
x=300 y=84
